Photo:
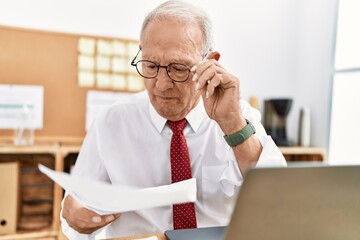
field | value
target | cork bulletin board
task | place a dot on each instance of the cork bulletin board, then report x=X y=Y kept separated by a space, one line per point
x=50 y=59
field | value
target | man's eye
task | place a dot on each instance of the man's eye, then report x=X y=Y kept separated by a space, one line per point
x=151 y=66
x=179 y=68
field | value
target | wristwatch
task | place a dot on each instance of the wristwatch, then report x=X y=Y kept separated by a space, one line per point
x=240 y=136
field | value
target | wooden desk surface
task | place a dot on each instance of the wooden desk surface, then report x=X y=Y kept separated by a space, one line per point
x=160 y=236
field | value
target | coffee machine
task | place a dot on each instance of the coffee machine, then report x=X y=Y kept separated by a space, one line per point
x=276 y=111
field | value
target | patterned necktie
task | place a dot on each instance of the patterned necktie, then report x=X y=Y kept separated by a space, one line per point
x=183 y=214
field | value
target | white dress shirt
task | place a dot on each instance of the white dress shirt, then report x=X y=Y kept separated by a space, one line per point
x=129 y=144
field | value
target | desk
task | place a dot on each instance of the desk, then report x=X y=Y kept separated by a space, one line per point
x=160 y=236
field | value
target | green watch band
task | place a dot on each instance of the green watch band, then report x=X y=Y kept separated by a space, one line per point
x=240 y=136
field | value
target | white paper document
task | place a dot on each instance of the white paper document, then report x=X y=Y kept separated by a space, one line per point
x=105 y=198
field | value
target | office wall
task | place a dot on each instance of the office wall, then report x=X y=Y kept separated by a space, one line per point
x=277 y=48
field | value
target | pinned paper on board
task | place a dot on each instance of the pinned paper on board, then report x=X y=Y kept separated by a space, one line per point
x=103 y=63
x=96 y=101
x=21 y=109
x=21 y=106
x=86 y=46
x=103 y=80
x=119 y=48
x=86 y=79
x=86 y=62
x=133 y=49
x=104 y=47
x=135 y=83
x=118 y=65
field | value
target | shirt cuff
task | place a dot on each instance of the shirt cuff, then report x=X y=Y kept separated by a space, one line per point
x=271 y=155
x=231 y=178
x=71 y=233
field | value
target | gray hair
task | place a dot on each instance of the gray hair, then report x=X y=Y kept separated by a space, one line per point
x=183 y=12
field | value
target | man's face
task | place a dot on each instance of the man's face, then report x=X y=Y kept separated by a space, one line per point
x=165 y=42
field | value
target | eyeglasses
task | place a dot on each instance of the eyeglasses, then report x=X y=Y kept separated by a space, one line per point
x=177 y=72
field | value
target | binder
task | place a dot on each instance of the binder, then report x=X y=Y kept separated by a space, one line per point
x=9 y=200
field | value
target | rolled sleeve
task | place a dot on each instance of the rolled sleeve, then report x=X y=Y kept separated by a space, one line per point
x=271 y=155
x=73 y=234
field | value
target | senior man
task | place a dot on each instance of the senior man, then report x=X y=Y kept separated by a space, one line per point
x=190 y=122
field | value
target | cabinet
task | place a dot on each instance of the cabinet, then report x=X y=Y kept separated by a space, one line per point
x=41 y=219
x=40 y=198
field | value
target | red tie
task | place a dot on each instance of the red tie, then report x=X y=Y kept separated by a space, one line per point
x=183 y=214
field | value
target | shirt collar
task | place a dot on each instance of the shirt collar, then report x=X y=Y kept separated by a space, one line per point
x=194 y=118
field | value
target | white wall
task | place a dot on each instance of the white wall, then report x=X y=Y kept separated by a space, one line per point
x=278 y=48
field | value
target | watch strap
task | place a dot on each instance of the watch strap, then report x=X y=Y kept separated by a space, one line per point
x=240 y=136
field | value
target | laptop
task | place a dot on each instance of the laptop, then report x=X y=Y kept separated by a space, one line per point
x=298 y=202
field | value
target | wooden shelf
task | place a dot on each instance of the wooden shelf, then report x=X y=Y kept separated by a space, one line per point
x=54 y=153
x=303 y=153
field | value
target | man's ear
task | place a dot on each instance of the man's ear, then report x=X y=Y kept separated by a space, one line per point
x=214 y=55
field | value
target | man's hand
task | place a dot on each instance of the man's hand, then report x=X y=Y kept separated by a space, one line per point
x=220 y=93
x=84 y=220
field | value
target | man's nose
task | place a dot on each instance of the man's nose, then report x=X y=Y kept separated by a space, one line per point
x=163 y=81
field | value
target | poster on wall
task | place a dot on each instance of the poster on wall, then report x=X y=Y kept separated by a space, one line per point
x=21 y=106
x=97 y=101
